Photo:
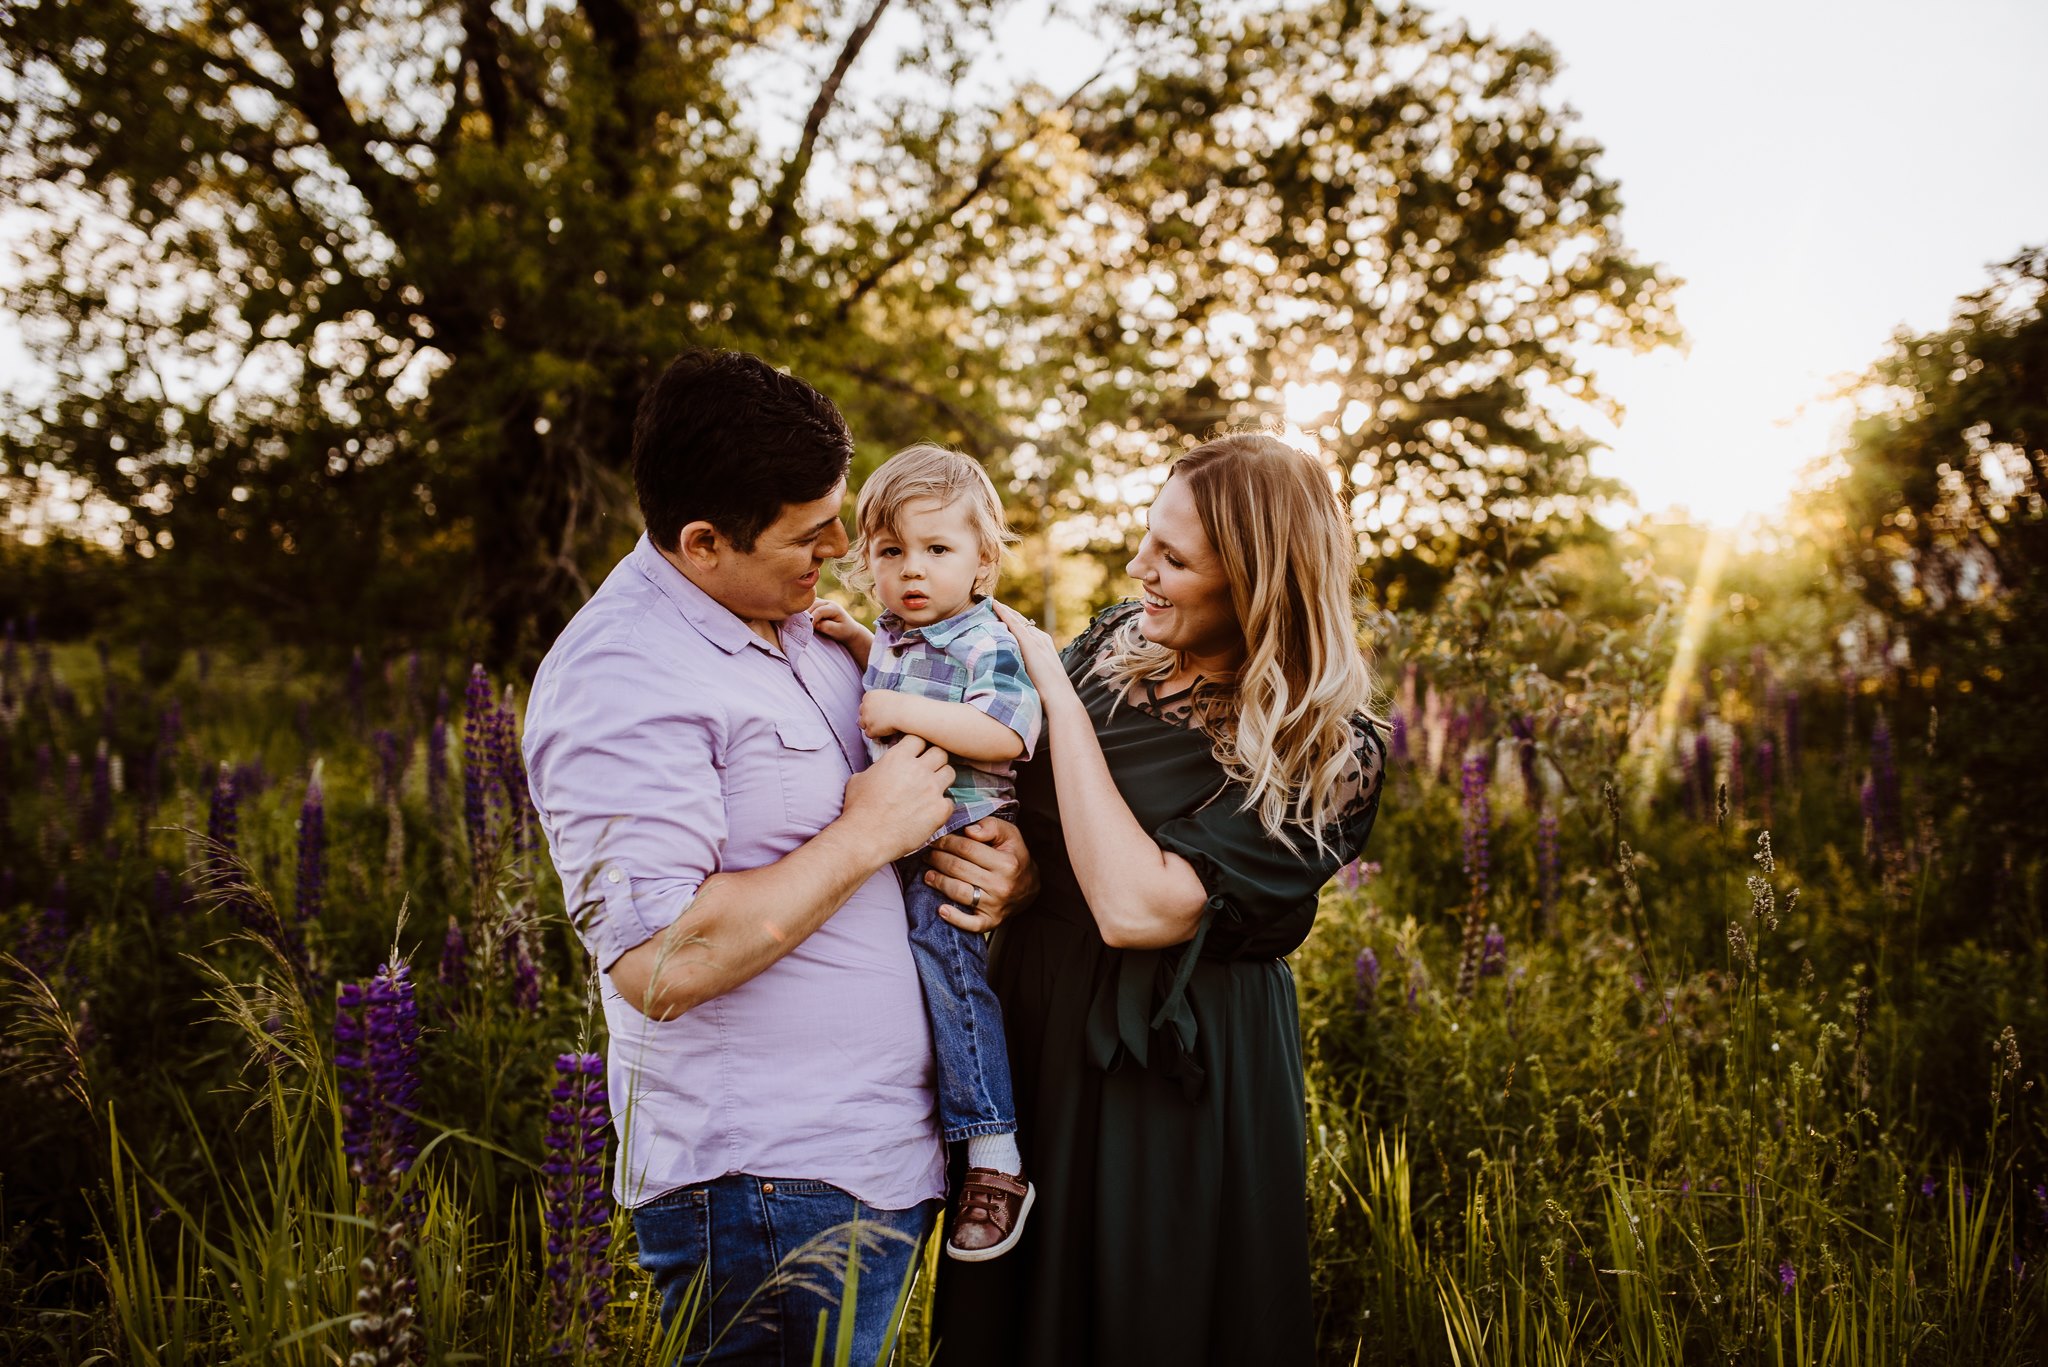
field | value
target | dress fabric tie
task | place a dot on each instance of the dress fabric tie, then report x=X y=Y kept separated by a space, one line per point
x=1140 y=1011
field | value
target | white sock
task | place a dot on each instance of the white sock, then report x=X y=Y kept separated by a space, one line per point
x=998 y=1151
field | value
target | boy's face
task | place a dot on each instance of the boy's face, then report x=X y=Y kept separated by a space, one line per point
x=926 y=565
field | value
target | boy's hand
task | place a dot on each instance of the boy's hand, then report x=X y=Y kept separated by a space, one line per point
x=835 y=623
x=880 y=714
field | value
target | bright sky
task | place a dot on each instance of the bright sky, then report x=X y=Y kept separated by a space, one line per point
x=1818 y=171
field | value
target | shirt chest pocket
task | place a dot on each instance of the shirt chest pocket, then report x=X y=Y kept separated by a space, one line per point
x=937 y=676
x=813 y=773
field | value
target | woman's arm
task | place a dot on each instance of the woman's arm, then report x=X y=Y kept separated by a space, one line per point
x=1143 y=897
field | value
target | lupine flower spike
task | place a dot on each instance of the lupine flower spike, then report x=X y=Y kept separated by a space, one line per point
x=312 y=851
x=578 y=1210
x=376 y=1032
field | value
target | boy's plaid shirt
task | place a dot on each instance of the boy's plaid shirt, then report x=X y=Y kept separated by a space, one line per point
x=970 y=657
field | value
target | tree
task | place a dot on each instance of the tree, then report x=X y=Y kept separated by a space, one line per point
x=1937 y=517
x=349 y=306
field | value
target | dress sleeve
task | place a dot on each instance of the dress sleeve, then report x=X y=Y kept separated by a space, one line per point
x=1262 y=890
x=1084 y=650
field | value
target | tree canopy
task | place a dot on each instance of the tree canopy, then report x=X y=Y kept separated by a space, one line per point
x=1937 y=516
x=348 y=305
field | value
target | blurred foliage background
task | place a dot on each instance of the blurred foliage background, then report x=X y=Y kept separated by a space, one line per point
x=346 y=309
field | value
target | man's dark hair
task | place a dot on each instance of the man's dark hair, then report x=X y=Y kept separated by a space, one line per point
x=728 y=439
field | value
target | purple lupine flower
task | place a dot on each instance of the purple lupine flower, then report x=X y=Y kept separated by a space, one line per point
x=454 y=973
x=578 y=1211
x=479 y=772
x=1873 y=820
x=312 y=852
x=376 y=1044
x=74 y=793
x=511 y=769
x=1356 y=874
x=223 y=818
x=1703 y=772
x=165 y=896
x=390 y=764
x=1493 y=953
x=45 y=762
x=1766 y=773
x=1397 y=740
x=1478 y=813
x=1928 y=1186
x=358 y=706
x=1366 y=971
x=51 y=935
x=1457 y=731
x=525 y=973
x=415 y=700
x=1735 y=770
x=1787 y=1276
x=1546 y=868
x=1884 y=777
x=376 y=1036
x=437 y=764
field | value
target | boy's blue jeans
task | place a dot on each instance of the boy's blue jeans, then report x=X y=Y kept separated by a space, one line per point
x=967 y=1024
x=742 y=1231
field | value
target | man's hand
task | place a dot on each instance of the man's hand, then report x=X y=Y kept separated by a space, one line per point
x=990 y=855
x=895 y=804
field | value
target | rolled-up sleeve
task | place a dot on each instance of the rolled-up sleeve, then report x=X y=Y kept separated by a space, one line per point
x=623 y=759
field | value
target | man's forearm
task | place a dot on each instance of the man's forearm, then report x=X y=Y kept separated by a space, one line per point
x=741 y=923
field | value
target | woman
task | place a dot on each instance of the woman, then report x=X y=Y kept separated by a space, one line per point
x=1209 y=768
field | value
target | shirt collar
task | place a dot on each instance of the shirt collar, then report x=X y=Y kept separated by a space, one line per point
x=714 y=621
x=938 y=635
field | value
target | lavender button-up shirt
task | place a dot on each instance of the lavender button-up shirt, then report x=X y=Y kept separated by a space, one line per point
x=666 y=741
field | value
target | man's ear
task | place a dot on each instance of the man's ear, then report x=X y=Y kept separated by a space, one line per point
x=701 y=544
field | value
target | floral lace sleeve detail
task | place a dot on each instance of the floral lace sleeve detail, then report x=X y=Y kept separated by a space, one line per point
x=1087 y=649
x=1358 y=787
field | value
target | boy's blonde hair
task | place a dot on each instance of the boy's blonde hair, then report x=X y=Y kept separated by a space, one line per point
x=920 y=472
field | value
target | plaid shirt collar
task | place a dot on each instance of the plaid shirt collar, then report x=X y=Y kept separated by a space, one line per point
x=938 y=635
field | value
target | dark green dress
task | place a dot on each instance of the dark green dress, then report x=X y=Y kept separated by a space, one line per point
x=1159 y=1091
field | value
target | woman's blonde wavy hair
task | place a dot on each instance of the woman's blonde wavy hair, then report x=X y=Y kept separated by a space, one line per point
x=1282 y=726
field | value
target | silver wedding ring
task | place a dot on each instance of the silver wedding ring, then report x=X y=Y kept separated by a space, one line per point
x=974 y=902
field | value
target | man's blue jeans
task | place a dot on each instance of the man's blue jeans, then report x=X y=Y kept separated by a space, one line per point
x=967 y=1023
x=774 y=1253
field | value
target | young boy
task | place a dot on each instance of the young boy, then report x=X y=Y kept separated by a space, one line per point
x=941 y=666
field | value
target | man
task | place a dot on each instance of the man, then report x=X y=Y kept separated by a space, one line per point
x=725 y=849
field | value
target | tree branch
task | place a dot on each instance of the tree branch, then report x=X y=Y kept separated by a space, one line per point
x=984 y=176
x=784 y=198
x=480 y=48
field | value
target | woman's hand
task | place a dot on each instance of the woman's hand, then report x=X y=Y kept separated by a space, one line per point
x=1041 y=658
x=988 y=854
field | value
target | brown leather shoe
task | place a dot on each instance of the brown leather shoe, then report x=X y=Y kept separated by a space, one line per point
x=991 y=1218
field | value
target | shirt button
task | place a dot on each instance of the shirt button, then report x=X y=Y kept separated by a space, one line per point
x=612 y=876
x=767 y=1188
